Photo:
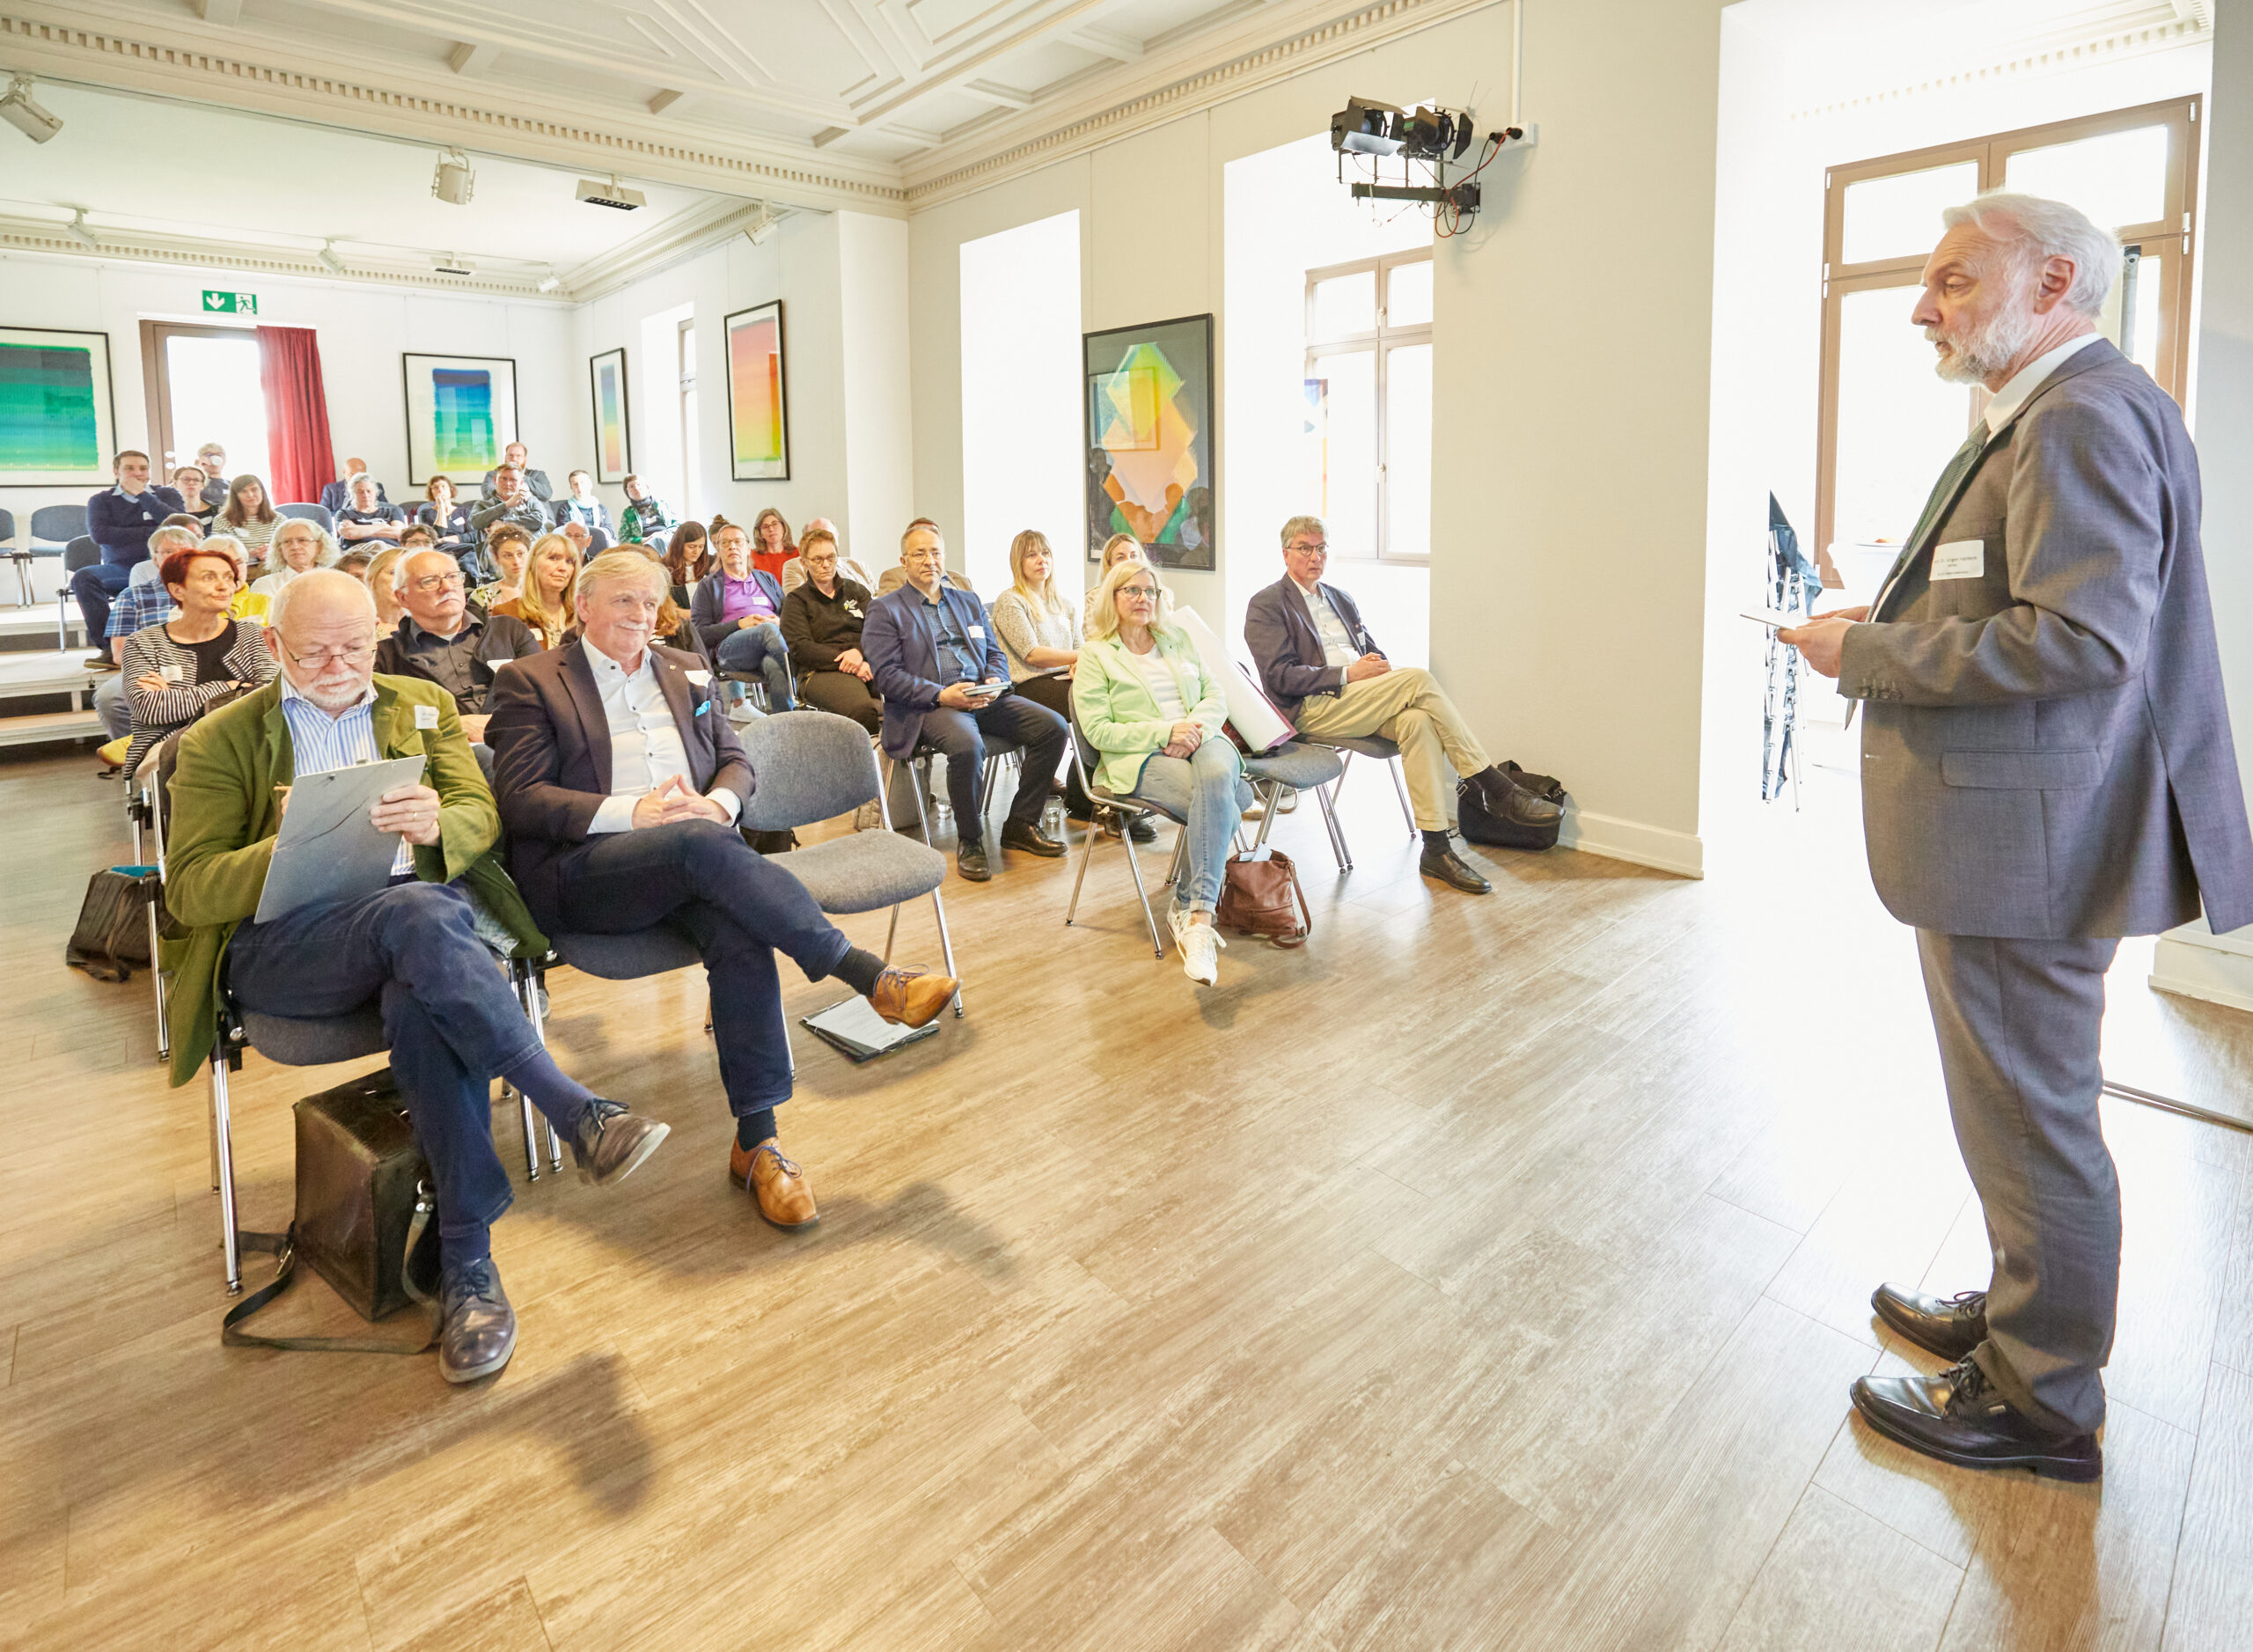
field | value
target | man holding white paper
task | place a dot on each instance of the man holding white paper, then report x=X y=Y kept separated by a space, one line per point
x=452 y=1023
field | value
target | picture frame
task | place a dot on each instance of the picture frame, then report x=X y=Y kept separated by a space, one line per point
x=461 y=412
x=58 y=409
x=1149 y=422
x=613 y=444
x=759 y=421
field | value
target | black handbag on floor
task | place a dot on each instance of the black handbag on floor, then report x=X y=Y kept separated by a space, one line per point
x=1479 y=824
x=364 y=1217
x=110 y=939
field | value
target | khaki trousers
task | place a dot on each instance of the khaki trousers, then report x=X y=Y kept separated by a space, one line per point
x=1406 y=707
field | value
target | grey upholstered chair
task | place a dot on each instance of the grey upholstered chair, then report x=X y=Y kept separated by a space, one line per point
x=321 y=514
x=1384 y=751
x=1296 y=766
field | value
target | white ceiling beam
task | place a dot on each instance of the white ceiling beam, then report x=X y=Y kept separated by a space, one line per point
x=223 y=14
x=1001 y=97
x=1110 y=43
x=471 y=59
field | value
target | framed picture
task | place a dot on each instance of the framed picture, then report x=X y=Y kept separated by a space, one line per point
x=462 y=411
x=759 y=420
x=1150 y=439
x=58 y=428
x=612 y=454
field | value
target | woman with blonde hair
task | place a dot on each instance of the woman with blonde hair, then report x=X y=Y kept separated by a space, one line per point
x=544 y=602
x=1118 y=545
x=1143 y=699
x=1040 y=638
x=377 y=574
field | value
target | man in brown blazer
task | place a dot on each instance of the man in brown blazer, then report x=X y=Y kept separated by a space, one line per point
x=620 y=778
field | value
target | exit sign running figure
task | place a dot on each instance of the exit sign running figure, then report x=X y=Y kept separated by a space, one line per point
x=231 y=302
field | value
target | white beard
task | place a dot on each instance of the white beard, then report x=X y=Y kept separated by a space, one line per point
x=1979 y=353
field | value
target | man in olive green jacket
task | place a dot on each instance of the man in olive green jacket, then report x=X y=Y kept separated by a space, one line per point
x=412 y=947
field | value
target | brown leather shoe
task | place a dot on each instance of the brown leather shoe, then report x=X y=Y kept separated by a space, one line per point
x=909 y=997
x=777 y=1185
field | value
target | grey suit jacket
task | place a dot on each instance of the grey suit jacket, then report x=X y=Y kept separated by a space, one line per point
x=2046 y=752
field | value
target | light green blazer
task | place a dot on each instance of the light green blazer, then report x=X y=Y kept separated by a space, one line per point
x=221 y=824
x=1116 y=712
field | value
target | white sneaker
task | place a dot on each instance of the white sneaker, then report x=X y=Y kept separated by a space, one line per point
x=1200 y=945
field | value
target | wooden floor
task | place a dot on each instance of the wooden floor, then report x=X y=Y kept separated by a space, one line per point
x=1488 y=1274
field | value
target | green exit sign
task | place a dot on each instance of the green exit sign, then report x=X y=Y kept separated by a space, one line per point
x=230 y=303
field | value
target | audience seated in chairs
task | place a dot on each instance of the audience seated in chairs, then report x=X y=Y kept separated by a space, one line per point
x=635 y=827
x=794 y=571
x=821 y=622
x=453 y=1023
x=1325 y=672
x=188 y=482
x=336 y=495
x=518 y=456
x=1040 y=633
x=1145 y=701
x=299 y=547
x=249 y=517
x=374 y=573
x=544 y=603
x=771 y=545
x=688 y=558
x=177 y=669
x=1116 y=549
x=896 y=576
x=930 y=648
x=646 y=521
x=738 y=610
x=440 y=640
x=120 y=521
x=509 y=547
x=581 y=506
x=441 y=511
x=513 y=503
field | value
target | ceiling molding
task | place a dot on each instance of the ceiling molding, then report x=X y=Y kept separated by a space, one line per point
x=63 y=48
x=684 y=236
x=1178 y=85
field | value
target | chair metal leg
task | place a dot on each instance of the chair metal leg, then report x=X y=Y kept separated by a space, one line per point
x=1135 y=865
x=223 y=1148
x=1087 y=853
x=1180 y=854
x=1268 y=800
x=921 y=776
x=946 y=950
x=1336 y=829
x=157 y=976
x=1400 y=790
x=890 y=933
x=535 y=979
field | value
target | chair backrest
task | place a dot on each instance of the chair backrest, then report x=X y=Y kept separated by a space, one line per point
x=7 y=527
x=310 y=513
x=809 y=765
x=58 y=525
x=80 y=553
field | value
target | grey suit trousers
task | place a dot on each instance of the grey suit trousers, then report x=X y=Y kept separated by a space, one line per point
x=2018 y=1023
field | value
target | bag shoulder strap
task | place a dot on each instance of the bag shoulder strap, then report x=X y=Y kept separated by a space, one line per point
x=285 y=1274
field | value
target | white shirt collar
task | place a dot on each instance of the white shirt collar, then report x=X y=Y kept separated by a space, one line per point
x=2006 y=402
x=604 y=666
x=1312 y=592
x=290 y=691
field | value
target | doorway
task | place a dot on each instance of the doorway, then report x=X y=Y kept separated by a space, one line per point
x=204 y=385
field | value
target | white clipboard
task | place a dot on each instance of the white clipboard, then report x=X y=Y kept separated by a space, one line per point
x=328 y=848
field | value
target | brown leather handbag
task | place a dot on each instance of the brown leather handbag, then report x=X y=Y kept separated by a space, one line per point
x=1263 y=898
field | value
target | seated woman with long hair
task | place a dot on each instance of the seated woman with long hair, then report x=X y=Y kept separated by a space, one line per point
x=299 y=546
x=1141 y=695
x=378 y=575
x=544 y=604
x=249 y=518
x=1039 y=633
x=688 y=557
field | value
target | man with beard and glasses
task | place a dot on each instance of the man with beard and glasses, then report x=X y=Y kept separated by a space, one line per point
x=2046 y=768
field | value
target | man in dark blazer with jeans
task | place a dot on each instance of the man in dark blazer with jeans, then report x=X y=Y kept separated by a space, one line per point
x=2046 y=767
x=936 y=662
x=620 y=778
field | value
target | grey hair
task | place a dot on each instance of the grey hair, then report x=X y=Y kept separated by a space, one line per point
x=314 y=578
x=2031 y=229
x=353 y=481
x=226 y=545
x=175 y=539
x=399 y=568
x=1297 y=526
x=329 y=552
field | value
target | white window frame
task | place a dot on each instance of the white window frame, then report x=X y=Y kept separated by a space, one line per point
x=1382 y=341
x=685 y=352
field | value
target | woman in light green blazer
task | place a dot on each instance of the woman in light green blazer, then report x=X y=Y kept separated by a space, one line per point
x=1145 y=701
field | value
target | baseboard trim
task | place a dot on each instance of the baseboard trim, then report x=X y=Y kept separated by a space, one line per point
x=2193 y=963
x=1681 y=852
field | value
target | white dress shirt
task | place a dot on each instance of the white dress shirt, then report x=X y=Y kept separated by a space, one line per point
x=2003 y=406
x=646 y=749
x=1337 y=642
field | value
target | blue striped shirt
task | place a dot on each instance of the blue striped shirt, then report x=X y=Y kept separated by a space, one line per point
x=318 y=741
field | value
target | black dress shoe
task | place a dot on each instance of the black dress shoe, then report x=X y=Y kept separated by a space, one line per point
x=1950 y=1327
x=1507 y=800
x=1140 y=830
x=477 y=1331
x=1030 y=841
x=970 y=861
x=611 y=1142
x=1453 y=870
x=1959 y=1418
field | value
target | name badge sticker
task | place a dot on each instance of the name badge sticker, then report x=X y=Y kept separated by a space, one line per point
x=978 y=634
x=426 y=716
x=698 y=677
x=1960 y=559
x=170 y=674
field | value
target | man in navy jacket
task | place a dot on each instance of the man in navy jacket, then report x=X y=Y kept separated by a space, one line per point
x=120 y=521
x=945 y=685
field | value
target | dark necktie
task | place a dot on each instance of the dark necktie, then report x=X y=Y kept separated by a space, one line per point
x=1943 y=491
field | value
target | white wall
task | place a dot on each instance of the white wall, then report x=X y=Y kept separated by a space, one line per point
x=879 y=402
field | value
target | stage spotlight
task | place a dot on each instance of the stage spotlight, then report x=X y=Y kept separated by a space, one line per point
x=1366 y=128
x=328 y=256
x=25 y=115
x=453 y=183
x=551 y=282
x=612 y=193
x=451 y=264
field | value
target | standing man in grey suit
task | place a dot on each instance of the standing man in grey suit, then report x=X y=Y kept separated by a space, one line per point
x=2046 y=767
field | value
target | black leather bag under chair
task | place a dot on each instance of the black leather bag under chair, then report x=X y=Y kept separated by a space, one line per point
x=110 y=939
x=1478 y=825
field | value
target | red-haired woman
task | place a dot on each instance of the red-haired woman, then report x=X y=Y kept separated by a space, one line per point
x=176 y=670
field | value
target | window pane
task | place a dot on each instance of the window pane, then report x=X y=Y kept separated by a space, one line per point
x=1408 y=445
x=1349 y=485
x=2117 y=179
x=1899 y=217
x=1898 y=422
x=216 y=397
x=1408 y=294
x=1345 y=305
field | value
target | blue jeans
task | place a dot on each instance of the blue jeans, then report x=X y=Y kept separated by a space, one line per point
x=739 y=908
x=760 y=647
x=95 y=587
x=452 y=1022
x=1208 y=788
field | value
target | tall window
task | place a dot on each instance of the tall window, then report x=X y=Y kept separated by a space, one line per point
x=691 y=480
x=1889 y=423
x=203 y=385
x=1369 y=403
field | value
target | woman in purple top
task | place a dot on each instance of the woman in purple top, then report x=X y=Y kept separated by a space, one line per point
x=737 y=609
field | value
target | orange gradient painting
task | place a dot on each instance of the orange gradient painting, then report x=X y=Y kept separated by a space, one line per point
x=758 y=421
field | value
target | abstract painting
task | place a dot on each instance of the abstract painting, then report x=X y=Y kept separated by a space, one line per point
x=57 y=426
x=612 y=456
x=462 y=411
x=758 y=425
x=1150 y=439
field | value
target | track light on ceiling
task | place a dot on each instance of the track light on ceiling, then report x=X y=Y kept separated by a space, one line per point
x=551 y=282
x=761 y=228
x=24 y=114
x=453 y=183
x=452 y=264
x=328 y=256
x=77 y=232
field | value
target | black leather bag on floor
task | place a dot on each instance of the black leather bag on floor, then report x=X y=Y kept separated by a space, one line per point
x=1479 y=824
x=110 y=939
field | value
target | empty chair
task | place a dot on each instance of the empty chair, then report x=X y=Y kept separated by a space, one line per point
x=80 y=553
x=321 y=514
x=55 y=528
x=18 y=554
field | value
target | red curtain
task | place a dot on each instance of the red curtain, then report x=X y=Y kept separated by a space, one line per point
x=297 y=414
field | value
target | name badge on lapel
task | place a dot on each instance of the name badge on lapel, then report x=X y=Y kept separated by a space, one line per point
x=426 y=716
x=698 y=677
x=978 y=634
x=1960 y=559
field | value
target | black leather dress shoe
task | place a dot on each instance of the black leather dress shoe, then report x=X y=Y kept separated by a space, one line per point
x=970 y=861
x=1453 y=870
x=1950 y=1327
x=611 y=1142
x=1507 y=800
x=477 y=1331
x=1959 y=1418
x=1030 y=841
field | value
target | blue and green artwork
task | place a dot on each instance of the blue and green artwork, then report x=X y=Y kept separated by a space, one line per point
x=462 y=419
x=54 y=405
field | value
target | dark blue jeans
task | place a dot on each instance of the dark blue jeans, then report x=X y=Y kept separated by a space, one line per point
x=962 y=735
x=761 y=648
x=737 y=906
x=96 y=587
x=451 y=1021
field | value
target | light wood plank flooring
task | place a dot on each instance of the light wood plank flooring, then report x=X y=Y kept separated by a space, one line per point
x=1488 y=1274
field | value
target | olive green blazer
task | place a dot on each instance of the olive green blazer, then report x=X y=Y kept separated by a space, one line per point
x=220 y=824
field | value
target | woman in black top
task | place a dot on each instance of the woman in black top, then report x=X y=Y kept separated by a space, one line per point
x=688 y=557
x=365 y=517
x=189 y=480
x=821 y=623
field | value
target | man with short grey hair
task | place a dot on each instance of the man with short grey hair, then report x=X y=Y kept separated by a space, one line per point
x=2046 y=767
x=443 y=640
x=510 y=499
